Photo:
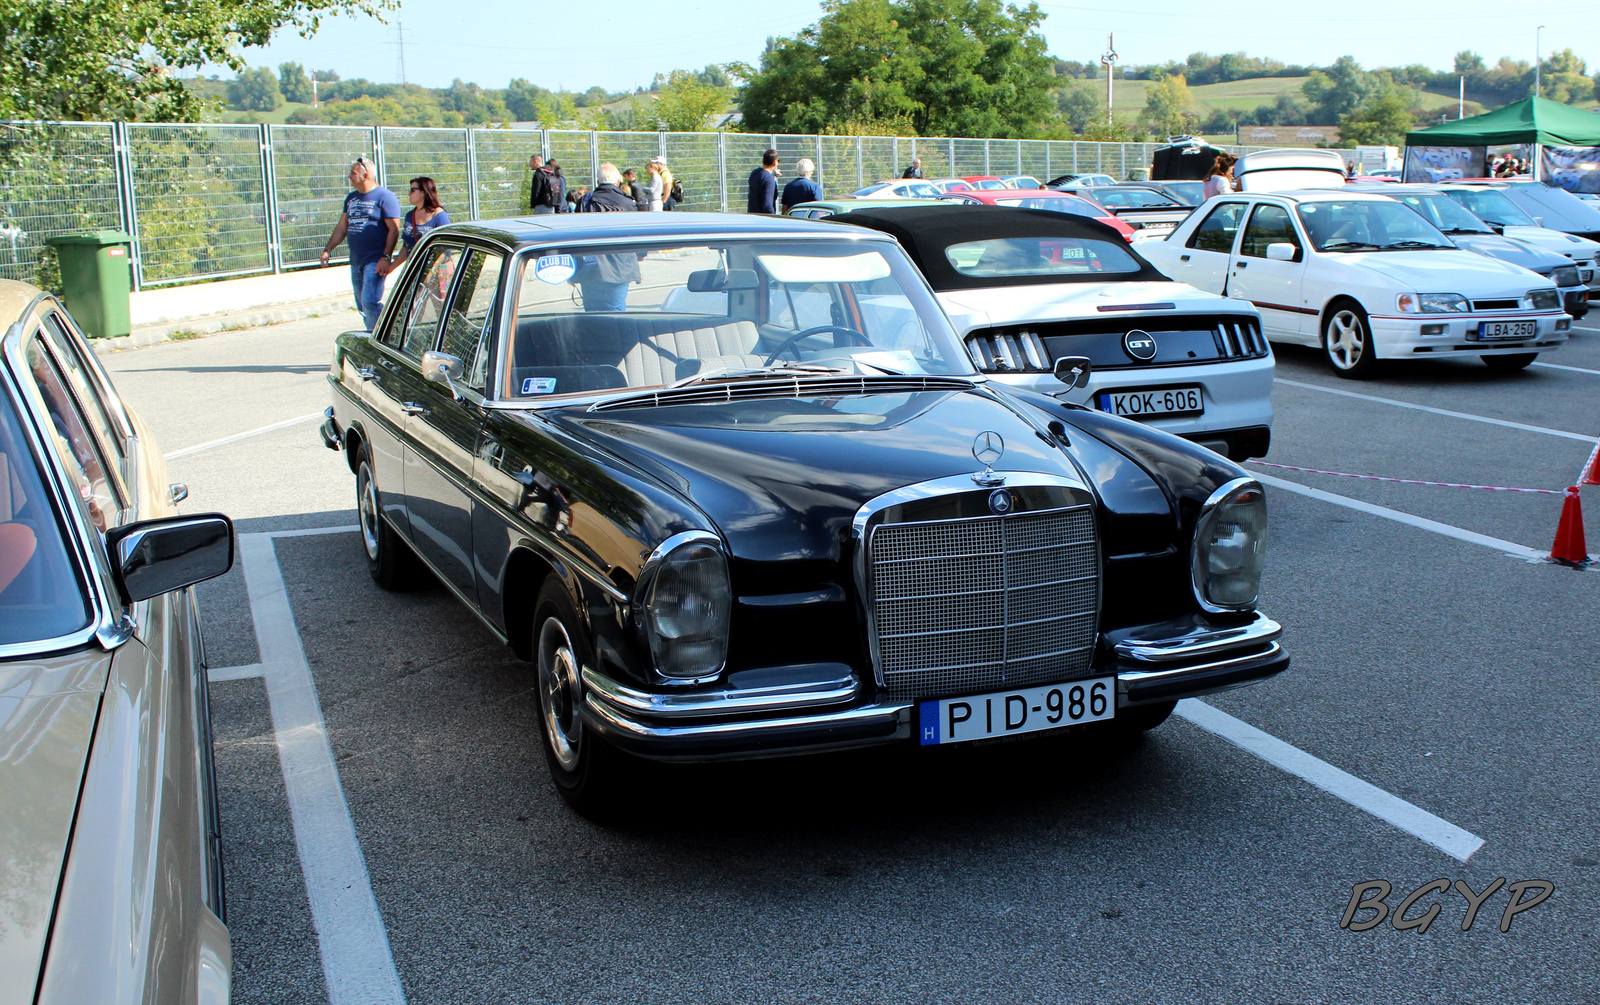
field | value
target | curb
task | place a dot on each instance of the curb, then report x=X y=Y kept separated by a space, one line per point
x=213 y=324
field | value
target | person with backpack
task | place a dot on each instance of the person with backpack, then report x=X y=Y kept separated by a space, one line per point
x=543 y=196
x=559 y=184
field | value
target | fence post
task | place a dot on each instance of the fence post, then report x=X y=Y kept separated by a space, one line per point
x=544 y=144
x=472 y=173
x=1019 y=158
x=594 y=159
x=377 y=153
x=1048 y=146
x=894 y=155
x=820 y=172
x=269 y=199
x=953 y=158
x=861 y=166
x=128 y=206
x=722 y=168
x=986 y=157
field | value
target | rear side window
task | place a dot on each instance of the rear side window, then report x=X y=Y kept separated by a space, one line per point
x=79 y=450
x=1216 y=231
x=466 y=328
x=427 y=299
x=1268 y=225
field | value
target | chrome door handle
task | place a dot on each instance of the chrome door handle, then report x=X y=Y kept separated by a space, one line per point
x=366 y=373
x=412 y=408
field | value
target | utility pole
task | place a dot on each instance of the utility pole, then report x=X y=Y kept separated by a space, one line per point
x=1461 y=102
x=1109 y=61
x=1537 y=59
x=313 y=91
x=400 y=47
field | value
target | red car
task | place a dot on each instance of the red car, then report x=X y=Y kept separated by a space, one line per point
x=1044 y=198
x=985 y=182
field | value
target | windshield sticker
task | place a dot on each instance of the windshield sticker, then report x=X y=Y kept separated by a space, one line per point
x=539 y=385
x=554 y=269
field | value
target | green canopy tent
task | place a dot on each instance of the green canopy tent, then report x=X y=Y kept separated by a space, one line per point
x=1537 y=121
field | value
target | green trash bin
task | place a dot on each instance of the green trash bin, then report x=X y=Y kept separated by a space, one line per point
x=96 y=276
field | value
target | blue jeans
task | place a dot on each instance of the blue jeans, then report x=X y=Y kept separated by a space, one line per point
x=368 y=287
x=602 y=296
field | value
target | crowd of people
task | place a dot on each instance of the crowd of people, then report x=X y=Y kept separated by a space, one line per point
x=1510 y=167
x=380 y=237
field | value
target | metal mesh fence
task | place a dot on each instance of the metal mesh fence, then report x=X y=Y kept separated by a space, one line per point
x=440 y=154
x=59 y=178
x=200 y=201
x=503 y=176
x=310 y=165
x=692 y=158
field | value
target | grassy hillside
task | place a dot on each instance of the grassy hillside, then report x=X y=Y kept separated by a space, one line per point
x=275 y=117
x=1243 y=95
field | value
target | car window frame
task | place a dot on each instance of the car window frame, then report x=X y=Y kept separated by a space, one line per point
x=126 y=504
x=414 y=278
x=107 y=615
x=1298 y=241
x=91 y=401
x=92 y=365
x=1245 y=208
x=493 y=323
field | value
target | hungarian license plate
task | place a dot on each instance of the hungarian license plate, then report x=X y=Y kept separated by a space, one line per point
x=1161 y=401
x=1507 y=329
x=1012 y=713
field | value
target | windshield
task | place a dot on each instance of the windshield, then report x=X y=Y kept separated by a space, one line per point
x=1040 y=256
x=638 y=316
x=1367 y=225
x=1444 y=213
x=41 y=596
x=1491 y=206
x=1055 y=204
x=1191 y=192
x=1133 y=198
x=870 y=189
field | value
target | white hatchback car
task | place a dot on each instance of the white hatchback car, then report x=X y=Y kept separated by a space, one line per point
x=1028 y=288
x=1364 y=277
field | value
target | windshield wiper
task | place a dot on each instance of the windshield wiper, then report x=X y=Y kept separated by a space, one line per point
x=757 y=372
x=1407 y=245
x=1339 y=244
x=1465 y=230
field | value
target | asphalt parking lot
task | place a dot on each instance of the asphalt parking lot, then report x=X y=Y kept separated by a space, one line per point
x=391 y=834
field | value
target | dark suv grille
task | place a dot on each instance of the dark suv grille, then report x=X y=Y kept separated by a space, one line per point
x=1180 y=340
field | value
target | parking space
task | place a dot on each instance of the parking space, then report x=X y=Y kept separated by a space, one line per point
x=391 y=833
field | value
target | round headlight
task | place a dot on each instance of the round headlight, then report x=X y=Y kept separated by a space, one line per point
x=687 y=605
x=1230 y=547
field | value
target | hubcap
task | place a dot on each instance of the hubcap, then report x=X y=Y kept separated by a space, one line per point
x=367 y=501
x=559 y=693
x=1346 y=340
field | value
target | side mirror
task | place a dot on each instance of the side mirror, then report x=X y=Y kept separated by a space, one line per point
x=1072 y=371
x=153 y=557
x=1281 y=251
x=441 y=368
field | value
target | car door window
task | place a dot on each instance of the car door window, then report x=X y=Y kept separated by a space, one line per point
x=466 y=327
x=80 y=452
x=427 y=300
x=1268 y=225
x=1217 y=230
x=85 y=388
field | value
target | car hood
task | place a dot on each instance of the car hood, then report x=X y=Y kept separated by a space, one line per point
x=969 y=309
x=1566 y=245
x=1449 y=270
x=47 y=716
x=1516 y=252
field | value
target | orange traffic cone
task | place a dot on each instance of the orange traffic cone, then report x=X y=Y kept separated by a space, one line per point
x=1570 y=548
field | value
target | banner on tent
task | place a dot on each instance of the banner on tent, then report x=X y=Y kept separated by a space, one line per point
x=1576 y=169
x=1431 y=164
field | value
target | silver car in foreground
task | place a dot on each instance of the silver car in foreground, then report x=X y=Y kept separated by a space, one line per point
x=110 y=852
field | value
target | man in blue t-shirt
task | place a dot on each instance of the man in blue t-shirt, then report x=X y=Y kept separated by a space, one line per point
x=371 y=220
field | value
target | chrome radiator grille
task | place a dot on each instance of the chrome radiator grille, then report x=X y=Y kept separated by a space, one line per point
x=968 y=605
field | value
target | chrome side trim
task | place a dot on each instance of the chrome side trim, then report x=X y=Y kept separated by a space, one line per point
x=1140 y=676
x=1215 y=499
x=897 y=715
x=779 y=699
x=1200 y=642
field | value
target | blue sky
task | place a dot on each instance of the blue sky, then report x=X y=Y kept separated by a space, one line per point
x=614 y=46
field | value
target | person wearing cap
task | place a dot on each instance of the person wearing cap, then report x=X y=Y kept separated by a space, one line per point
x=371 y=222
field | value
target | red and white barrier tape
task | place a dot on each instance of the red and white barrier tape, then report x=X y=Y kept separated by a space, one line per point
x=1408 y=481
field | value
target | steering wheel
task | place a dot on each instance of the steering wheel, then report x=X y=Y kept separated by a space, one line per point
x=789 y=343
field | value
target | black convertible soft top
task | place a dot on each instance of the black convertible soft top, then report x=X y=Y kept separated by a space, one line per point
x=926 y=231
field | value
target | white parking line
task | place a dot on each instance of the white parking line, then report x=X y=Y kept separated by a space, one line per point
x=224 y=441
x=1411 y=520
x=1585 y=437
x=1414 y=820
x=1573 y=369
x=356 y=960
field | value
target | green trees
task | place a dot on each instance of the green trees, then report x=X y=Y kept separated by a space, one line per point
x=255 y=91
x=294 y=83
x=950 y=67
x=1337 y=91
x=113 y=59
x=686 y=101
x=1564 y=78
x=1169 y=107
x=1383 y=120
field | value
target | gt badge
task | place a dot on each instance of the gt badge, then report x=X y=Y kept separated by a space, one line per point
x=1140 y=345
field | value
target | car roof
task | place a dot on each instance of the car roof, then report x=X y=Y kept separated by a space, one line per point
x=570 y=227
x=1342 y=193
x=847 y=205
x=925 y=231
x=15 y=296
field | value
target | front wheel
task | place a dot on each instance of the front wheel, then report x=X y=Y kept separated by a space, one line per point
x=1511 y=362
x=394 y=566
x=1347 y=341
x=588 y=772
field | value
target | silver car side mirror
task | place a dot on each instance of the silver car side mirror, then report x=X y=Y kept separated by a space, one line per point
x=1281 y=251
x=442 y=368
x=153 y=557
x=1072 y=371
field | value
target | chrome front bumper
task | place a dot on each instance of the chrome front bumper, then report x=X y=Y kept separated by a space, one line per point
x=1180 y=659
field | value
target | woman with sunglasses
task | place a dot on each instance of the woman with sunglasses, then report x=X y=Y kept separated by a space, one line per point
x=425 y=214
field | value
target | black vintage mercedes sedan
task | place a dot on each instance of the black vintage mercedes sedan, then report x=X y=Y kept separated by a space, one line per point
x=735 y=488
